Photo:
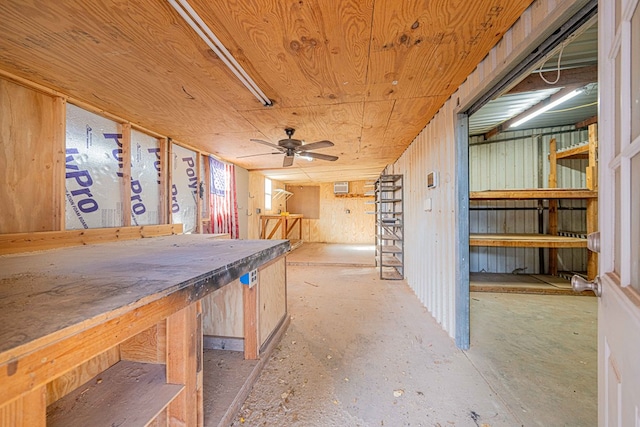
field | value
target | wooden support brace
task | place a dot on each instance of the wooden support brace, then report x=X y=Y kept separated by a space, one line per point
x=182 y=360
x=553 y=205
x=126 y=174
x=592 y=169
x=30 y=410
x=553 y=230
x=250 y=305
x=59 y=140
x=279 y=223
x=290 y=228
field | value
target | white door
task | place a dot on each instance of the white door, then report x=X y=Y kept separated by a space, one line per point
x=619 y=208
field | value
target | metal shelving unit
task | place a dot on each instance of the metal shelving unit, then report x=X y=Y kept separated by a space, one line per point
x=389 y=227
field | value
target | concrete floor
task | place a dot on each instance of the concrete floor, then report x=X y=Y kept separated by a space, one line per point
x=364 y=352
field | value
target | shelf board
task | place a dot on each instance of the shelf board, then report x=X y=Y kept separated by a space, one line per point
x=389 y=237
x=389 y=178
x=526 y=240
x=535 y=193
x=390 y=223
x=391 y=249
x=353 y=195
x=577 y=152
x=388 y=261
x=127 y=394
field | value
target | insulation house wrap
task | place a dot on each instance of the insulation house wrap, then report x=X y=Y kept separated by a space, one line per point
x=184 y=188
x=92 y=171
x=145 y=179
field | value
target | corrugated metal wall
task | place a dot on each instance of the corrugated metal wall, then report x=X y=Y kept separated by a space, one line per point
x=430 y=247
x=520 y=160
x=429 y=250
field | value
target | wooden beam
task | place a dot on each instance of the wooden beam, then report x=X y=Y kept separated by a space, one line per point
x=59 y=141
x=553 y=162
x=587 y=122
x=534 y=194
x=126 y=174
x=570 y=77
x=29 y=410
x=168 y=166
x=182 y=360
x=250 y=307
x=592 y=169
x=553 y=230
x=165 y=182
x=580 y=152
x=29 y=242
x=526 y=241
x=553 y=204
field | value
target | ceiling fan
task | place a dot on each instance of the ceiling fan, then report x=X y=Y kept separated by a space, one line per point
x=292 y=147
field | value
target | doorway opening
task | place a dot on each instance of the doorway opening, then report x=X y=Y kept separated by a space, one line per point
x=532 y=201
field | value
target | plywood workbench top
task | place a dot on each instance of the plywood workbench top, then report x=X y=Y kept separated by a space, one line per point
x=48 y=295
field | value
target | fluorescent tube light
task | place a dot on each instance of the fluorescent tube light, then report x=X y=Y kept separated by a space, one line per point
x=547 y=107
x=204 y=32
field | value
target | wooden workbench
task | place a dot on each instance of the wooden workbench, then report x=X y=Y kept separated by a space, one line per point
x=78 y=323
x=285 y=223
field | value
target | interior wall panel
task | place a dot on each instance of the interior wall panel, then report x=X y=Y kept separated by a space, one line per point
x=256 y=204
x=31 y=159
x=342 y=218
x=430 y=257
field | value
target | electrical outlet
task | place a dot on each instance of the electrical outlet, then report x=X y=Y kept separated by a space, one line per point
x=250 y=278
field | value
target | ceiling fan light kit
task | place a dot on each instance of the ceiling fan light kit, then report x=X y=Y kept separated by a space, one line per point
x=294 y=147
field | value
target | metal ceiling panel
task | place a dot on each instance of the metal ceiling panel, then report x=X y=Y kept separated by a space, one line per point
x=502 y=109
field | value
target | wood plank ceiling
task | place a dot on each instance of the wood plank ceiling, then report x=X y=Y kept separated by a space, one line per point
x=365 y=74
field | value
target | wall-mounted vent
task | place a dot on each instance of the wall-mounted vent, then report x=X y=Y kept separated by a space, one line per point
x=341 y=187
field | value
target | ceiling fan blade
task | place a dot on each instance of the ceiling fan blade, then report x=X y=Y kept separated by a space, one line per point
x=316 y=145
x=288 y=161
x=268 y=144
x=318 y=156
x=255 y=155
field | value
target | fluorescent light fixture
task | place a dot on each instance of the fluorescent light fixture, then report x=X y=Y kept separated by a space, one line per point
x=547 y=107
x=193 y=19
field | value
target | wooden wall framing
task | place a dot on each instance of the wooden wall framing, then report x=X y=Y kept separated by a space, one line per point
x=343 y=218
x=32 y=166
